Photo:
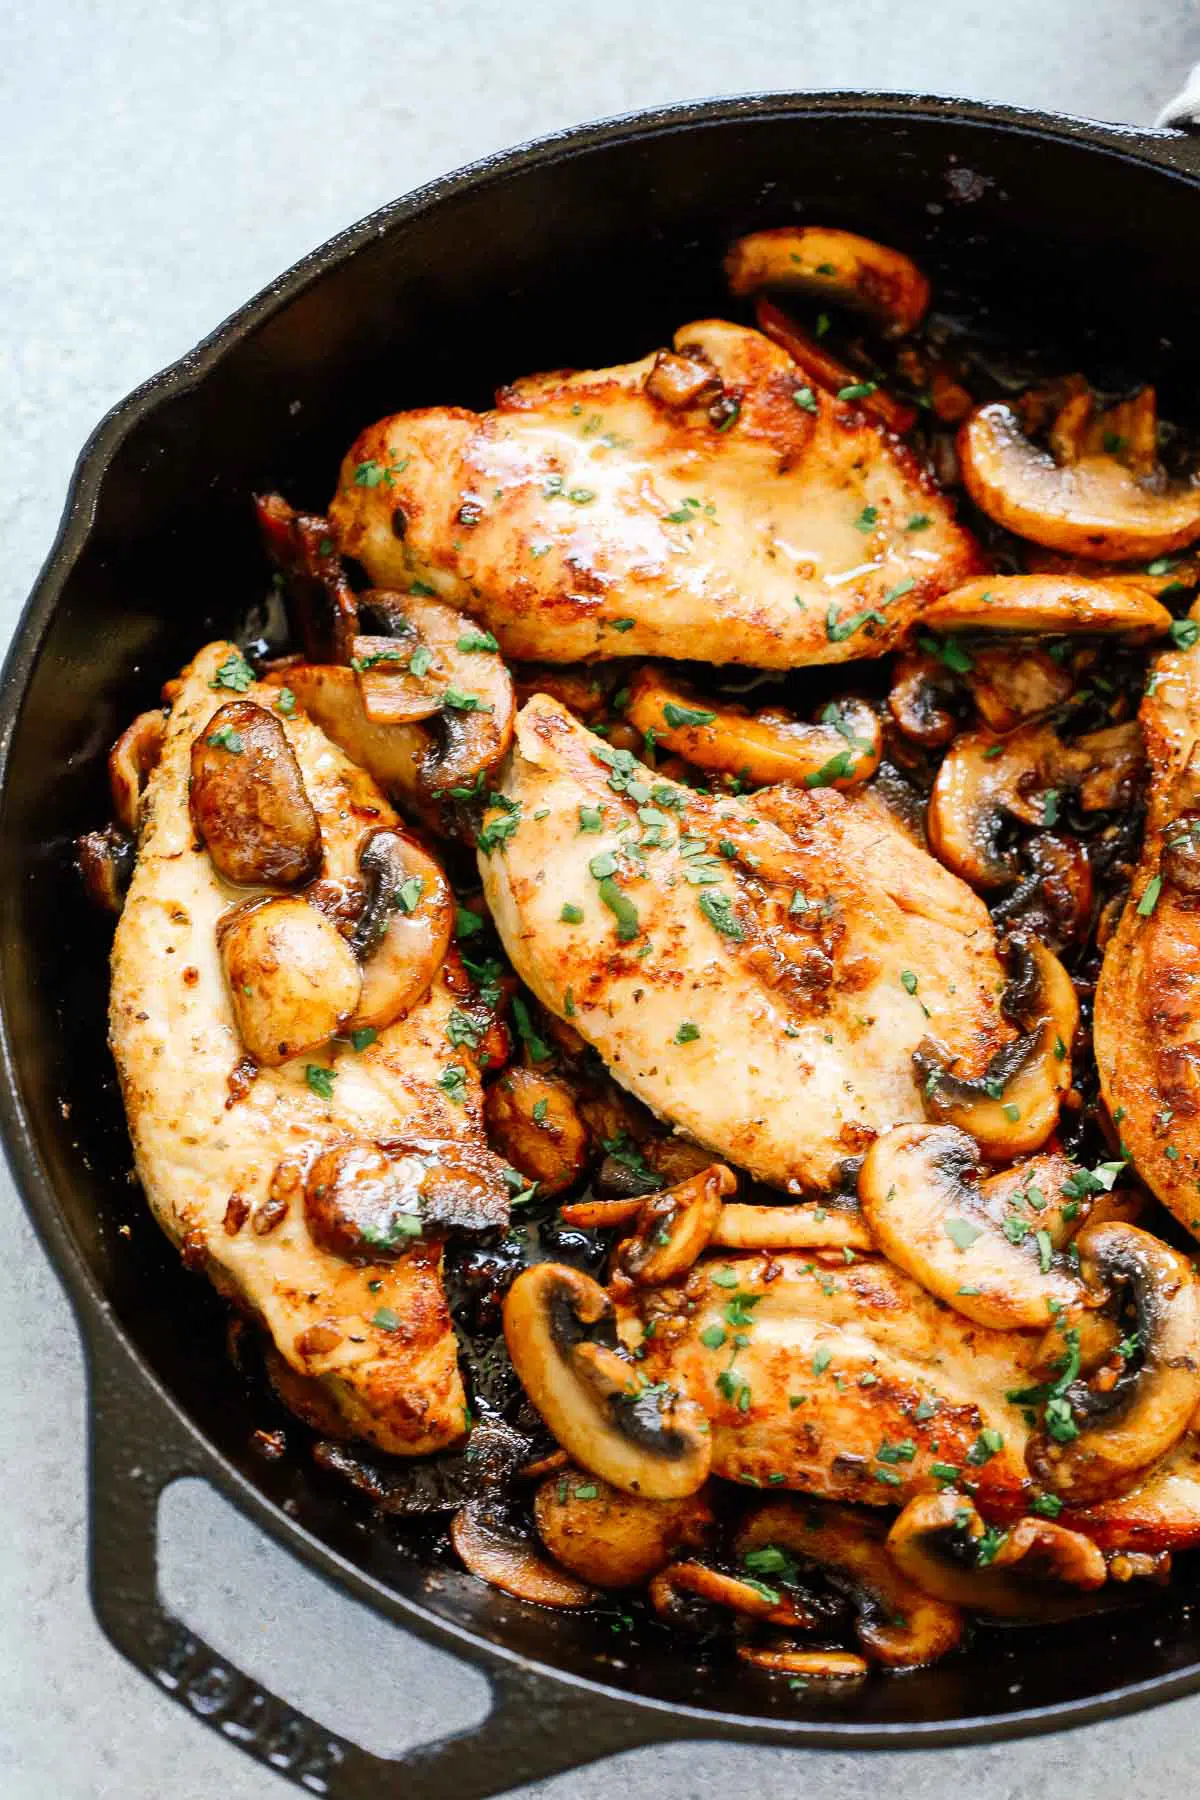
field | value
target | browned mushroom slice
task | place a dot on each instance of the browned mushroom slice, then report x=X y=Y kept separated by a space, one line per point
x=293 y=978
x=368 y=1201
x=248 y=801
x=1035 y=1569
x=329 y=694
x=533 y=1121
x=806 y=1665
x=921 y=1196
x=601 y=1215
x=843 y=750
x=131 y=761
x=682 y=380
x=498 y=1555
x=1012 y=1107
x=673 y=1589
x=1163 y=575
x=833 y=265
x=105 y=861
x=985 y=781
x=675 y=1226
x=403 y=931
x=1094 y=507
x=611 y=1539
x=321 y=604
x=828 y=372
x=1013 y=683
x=1100 y=1435
x=831 y=1224
x=1048 y=603
x=643 y=1437
x=921 y=698
x=898 y=1623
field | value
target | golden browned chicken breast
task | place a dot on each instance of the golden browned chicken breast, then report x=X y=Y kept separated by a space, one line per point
x=304 y=1189
x=847 y=1382
x=706 y=501
x=765 y=989
x=1147 y=1029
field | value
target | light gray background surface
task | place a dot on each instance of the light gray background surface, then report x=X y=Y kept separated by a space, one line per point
x=159 y=161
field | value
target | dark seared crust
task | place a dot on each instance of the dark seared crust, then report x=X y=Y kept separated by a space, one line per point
x=248 y=800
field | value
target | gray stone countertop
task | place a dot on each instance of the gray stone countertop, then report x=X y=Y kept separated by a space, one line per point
x=160 y=162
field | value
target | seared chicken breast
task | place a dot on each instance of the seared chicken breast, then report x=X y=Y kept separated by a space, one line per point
x=223 y=1147
x=851 y=1382
x=706 y=502
x=1147 y=1026
x=762 y=989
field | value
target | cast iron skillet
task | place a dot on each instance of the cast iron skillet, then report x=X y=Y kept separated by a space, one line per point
x=586 y=248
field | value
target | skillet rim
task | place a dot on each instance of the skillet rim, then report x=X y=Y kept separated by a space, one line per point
x=1172 y=152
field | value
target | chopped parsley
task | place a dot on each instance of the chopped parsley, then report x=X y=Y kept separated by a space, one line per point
x=235 y=672
x=686 y=1033
x=320 y=1080
x=226 y=738
x=677 y=716
x=474 y=641
x=718 y=910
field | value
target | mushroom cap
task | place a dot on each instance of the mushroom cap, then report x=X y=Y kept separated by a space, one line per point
x=921 y=1196
x=1040 y=1570
x=1106 y=1433
x=497 y=1554
x=1094 y=507
x=837 y=266
x=612 y=1539
x=1048 y=603
x=293 y=979
x=645 y=1439
x=402 y=934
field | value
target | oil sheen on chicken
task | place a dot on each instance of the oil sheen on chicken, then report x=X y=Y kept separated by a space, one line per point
x=209 y=1145
x=760 y=522
x=762 y=989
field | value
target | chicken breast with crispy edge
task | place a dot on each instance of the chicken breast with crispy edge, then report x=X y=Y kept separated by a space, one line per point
x=764 y=522
x=764 y=990
x=1147 y=1020
x=851 y=1383
x=208 y=1143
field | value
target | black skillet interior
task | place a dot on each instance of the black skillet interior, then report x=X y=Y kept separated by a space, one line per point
x=587 y=254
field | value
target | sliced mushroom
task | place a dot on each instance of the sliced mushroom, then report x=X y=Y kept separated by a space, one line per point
x=828 y=372
x=492 y=1550
x=368 y=1201
x=1101 y=1434
x=921 y=698
x=674 y=1591
x=1034 y=1569
x=1170 y=572
x=330 y=695
x=985 y=782
x=898 y=1623
x=1013 y=683
x=105 y=860
x=675 y=1226
x=1012 y=1107
x=1093 y=507
x=131 y=761
x=832 y=1224
x=601 y=1215
x=321 y=603
x=436 y=665
x=920 y=1194
x=293 y=978
x=611 y=1539
x=533 y=1121
x=843 y=750
x=1053 y=895
x=833 y=265
x=561 y=1334
x=1048 y=603
x=806 y=1665
x=403 y=931
x=248 y=801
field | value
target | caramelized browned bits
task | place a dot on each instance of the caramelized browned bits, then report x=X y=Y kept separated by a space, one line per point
x=248 y=800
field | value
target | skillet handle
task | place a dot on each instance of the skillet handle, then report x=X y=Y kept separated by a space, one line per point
x=535 y=1728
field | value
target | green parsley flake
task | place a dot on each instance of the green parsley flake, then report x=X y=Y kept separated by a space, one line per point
x=320 y=1080
x=961 y=1233
x=285 y=703
x=476 y=641
x=235 y=672
x=677 y=716
x=226 y=738
x=686 y=1033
